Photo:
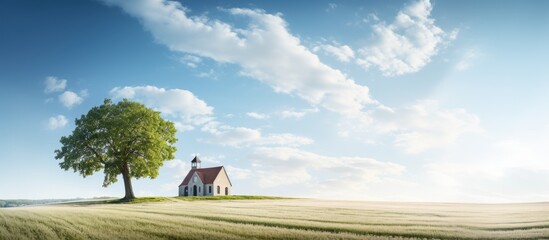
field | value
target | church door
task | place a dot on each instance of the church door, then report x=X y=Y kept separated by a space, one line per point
x=194 y=190
x=186 y=191
x=226 y=191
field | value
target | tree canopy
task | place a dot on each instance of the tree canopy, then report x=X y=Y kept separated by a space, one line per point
x=125 y=138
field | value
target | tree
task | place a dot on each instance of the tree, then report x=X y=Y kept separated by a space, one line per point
x=125 y=138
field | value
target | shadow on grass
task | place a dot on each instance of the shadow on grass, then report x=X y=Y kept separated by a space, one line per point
x=116 y=201
x=140 y=200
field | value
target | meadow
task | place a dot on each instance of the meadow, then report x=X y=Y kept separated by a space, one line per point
x=265 y=218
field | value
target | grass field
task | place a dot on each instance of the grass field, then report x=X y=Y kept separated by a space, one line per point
x=173 y=218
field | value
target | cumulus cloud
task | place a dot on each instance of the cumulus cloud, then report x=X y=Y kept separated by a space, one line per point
x=416 y=128
x=259 y=116
x=407 y=44
x=279 y=166
x=265 y=51
x=168 y=101
x=241 y=136
x=56 y=122
x=343 y=53
x=54 y=84
x=70 y=99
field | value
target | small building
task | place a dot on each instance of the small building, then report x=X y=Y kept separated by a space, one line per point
x=211 y=181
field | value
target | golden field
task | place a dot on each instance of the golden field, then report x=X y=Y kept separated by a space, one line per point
x=174 y=218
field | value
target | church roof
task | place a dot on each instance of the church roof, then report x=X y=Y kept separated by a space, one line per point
x=207 y=175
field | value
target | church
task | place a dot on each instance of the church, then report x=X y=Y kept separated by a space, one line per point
x=212 y=181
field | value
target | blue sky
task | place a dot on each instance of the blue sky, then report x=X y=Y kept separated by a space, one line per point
x=401 y=100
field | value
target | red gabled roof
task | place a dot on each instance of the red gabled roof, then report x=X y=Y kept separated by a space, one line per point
x=207 y=175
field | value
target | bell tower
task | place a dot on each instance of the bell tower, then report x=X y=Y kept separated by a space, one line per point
x=195 y=163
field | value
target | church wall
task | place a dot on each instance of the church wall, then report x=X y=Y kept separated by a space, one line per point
x=222 y=181
x=199 y=186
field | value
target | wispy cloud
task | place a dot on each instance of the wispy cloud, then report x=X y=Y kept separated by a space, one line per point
x=241 y=136
x=256 y=115
x=297 y=114
x=467 y=59
x=190 y=60
x=331 y=7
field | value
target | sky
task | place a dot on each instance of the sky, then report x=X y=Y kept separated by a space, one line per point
x=353 y=100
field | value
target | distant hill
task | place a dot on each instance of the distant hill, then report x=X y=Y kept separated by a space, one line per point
x=6 y=203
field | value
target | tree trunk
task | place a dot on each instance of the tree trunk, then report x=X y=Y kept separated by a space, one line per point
x=127 y=183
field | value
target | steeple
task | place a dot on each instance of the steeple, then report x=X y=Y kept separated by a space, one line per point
x=195 y=163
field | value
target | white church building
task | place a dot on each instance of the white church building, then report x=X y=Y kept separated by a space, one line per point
x=211 y=181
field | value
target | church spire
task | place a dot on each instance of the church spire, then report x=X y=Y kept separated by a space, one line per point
x=195 y=163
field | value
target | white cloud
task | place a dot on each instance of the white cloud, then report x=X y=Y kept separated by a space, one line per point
x=259 y=116
x=56 y=122
x=175 y=101
x=279 y=166
x=241 y=136
x=291 y=113
x=54 y=84
x=407 y=44
x=70 y=99
x=467 y=59
x=190 y=60
x=265 y=50
x=416 y=128
x=343 y=53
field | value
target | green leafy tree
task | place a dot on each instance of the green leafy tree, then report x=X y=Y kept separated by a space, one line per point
x=125 y=138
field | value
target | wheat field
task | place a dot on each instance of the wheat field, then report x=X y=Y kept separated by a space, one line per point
x=275 y=219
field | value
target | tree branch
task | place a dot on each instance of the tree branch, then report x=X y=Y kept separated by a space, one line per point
x=97 y=154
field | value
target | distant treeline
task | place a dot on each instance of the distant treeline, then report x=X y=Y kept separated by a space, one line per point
x=26 y=202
